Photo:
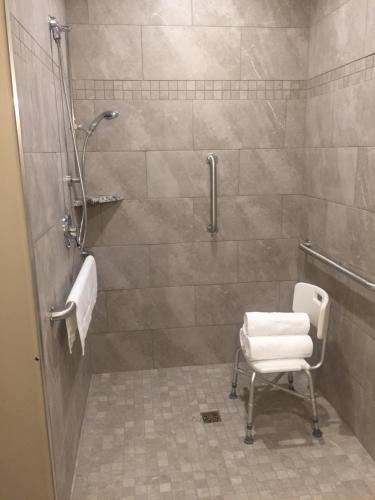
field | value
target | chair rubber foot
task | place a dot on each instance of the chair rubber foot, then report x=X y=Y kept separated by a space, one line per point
x=317 y=433
x=248 y=440
x=233 y=395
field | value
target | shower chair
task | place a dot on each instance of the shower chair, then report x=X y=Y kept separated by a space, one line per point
x=315 y=302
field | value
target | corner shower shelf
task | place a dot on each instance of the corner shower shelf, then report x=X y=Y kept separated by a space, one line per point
x=92 y=201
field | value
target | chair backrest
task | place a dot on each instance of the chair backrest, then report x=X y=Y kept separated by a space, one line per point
x=314 y=301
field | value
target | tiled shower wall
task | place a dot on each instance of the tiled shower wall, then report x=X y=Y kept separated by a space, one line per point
x=340 y=197
x=44 y=158
x=189 y=78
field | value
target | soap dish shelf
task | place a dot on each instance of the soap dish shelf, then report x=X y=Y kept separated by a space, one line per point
x=93 y=201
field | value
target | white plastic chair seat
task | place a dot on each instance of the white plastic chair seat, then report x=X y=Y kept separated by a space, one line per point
x=279 y=365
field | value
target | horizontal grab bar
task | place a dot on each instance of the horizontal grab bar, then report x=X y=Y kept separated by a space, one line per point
x=306 y=247
x=64 y=313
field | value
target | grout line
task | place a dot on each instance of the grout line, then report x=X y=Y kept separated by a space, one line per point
x=194 y=285
x=203 y=26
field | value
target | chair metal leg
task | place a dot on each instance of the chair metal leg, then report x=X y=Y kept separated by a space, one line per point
x=233 y=393
x=291 y=381
x=316 y=430
x=249 y=439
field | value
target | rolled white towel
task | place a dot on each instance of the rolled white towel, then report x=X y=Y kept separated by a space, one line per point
x=257 y=324
x=276 y=347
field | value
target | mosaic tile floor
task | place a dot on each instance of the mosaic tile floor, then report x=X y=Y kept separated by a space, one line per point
x=143 y=438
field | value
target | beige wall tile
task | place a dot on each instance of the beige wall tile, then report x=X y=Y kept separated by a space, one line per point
x=190 y=263
x=186 y=173
x=365 y=180
x=265 y=260
x=145 y=125
x=338 y=38
x=45 y=206
x=99 y=315
x=34 y=16
x=331 y=173
x=171 y=53
x=286 y=295
x=239 y=124
x=321 y=8
x=319 y=118
x=106 y=52
x=270 y=13
x=150 y=308
x=121 y=352
x=347 y=390
x=77 y=11
x=267 y=171
x=122 y=267
x=240 y=218
x=94 y=226
x=274 y=54
x=36 y=94
x=172 y=265
x=354 y=355
x=153 y=12
x=116 y=173
x=292 y=216
x=353 y=115
x=148 y=221
x=370 y=34
x=350 y=237
x=198 y=345
x=314 y=225
x=226 y=304
x=295 y=123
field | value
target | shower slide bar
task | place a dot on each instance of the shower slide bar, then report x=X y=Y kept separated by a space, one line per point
x=63 y=314
x=212 y=162
x=306 y=247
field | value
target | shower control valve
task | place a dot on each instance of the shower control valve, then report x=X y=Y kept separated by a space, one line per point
x=71 y=180
x=70 y=231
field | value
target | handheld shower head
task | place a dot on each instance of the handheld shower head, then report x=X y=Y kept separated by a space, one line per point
x=107 y=115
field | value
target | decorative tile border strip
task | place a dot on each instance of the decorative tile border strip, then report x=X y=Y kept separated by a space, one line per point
x=189 y=89
x=344 y=76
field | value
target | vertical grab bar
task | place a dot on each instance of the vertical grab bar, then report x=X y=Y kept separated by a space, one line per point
x=212 y=162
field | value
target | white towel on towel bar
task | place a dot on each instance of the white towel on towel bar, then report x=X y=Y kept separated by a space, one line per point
x=83 y=294
x=257 y=324
x=276 y=347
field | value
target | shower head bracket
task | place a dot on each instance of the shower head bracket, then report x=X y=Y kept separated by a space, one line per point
x=56 y=28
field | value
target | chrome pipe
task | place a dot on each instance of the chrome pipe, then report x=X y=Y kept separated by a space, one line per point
x=306 y=247
x=64 y=313
x=212 y=162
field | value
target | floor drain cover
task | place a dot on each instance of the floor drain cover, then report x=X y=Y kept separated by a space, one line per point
x=210 y=417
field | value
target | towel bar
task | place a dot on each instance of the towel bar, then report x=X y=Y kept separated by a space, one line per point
x=64 y=313
x=306 y=247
